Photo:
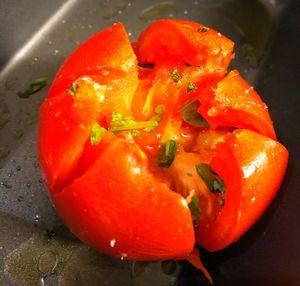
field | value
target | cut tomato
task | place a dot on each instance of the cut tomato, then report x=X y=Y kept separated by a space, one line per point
x=252 y=166
x=235 y=103
x=126 y=212
x=184 y=41
x=144 y=160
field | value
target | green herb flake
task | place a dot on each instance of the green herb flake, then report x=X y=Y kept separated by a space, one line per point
x=135 y=132
x=159 y=111
x=73 y=89
x=96 y=133
x=167 y=154
x=120 y=123
x=195 y=209
x=34 y=87
x=212 y=180
x=191 y=87
x=189 y=174
x=176 y=75
x=203 y=29
x=190 y=114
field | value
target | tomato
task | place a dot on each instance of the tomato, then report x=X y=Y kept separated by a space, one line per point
x=118 y=211
x=184 y=41
x=106 y=51
x=246 y=160
x=236 y=103
x=143 y=161
x=65 y=120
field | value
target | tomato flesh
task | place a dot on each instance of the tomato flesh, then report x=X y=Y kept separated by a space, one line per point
x=236 y=103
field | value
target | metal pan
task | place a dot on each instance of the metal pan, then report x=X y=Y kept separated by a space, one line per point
x=36 y=37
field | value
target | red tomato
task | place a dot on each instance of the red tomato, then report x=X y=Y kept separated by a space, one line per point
x=136 y=191
x=235 y=103
x=118 y=206
x=252 y=166
x=184 y=41
x=107 y=50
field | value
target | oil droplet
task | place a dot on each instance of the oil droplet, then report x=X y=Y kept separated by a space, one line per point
x=47 y=262
x=18 y=133
x=4 y=152
x=109 y=11
x=6 y=185
x=168 y=266
x=157 y=11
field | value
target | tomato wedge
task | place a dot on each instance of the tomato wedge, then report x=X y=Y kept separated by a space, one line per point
x=107 y=50
x=184 y=41
x=235 y=103
x=246 y=161
x=118 y=211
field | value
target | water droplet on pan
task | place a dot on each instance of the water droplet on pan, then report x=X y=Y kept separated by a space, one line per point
x=37 y=218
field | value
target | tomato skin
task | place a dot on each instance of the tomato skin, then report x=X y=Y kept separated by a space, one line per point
x=235 y=103
x=64 y=126
x=218 y=234
x=109 y=48
x=263 y=162
x=105 y=76
x=180 y=40
x=252 y=177
x=118 y=207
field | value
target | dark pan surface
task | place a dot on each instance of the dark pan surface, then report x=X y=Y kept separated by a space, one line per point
x=35 y=38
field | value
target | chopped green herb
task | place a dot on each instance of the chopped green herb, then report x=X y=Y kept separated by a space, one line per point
x=176 y=75
x=120 y=123
x=73 y=89
x=203 y=29
x=191 y=87
x=96 y=133
x=189 y=174
x=212 y=180
x=34 y=87
x=167 y=154
x=159 y=111
x=135 y=132
x=195 y=209
x=190 y=114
